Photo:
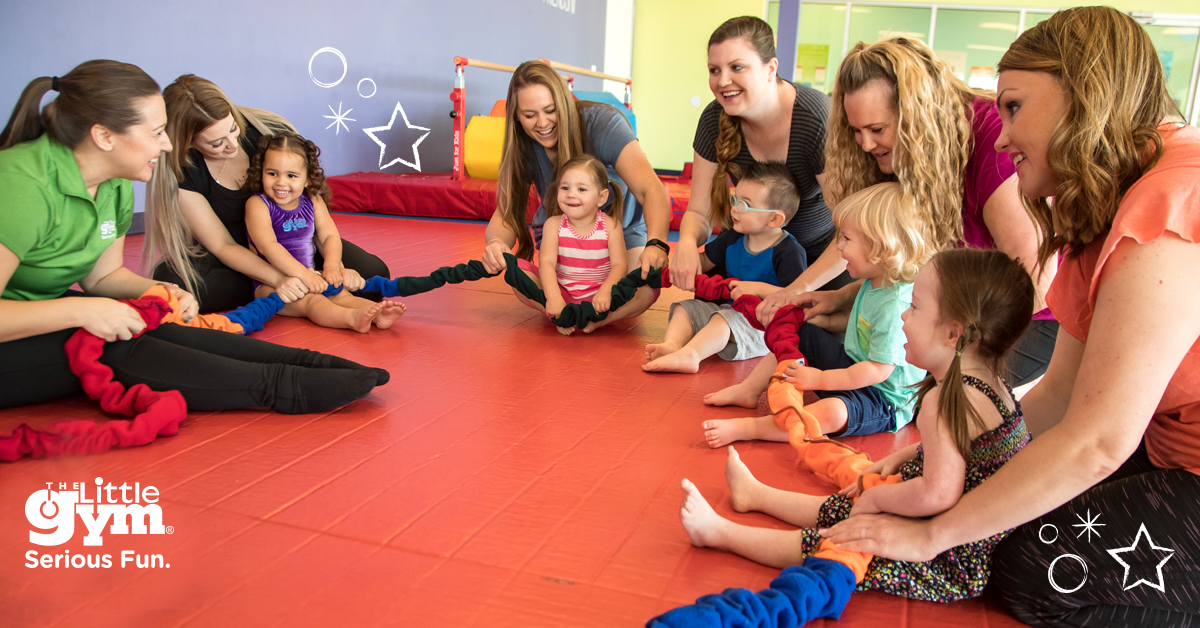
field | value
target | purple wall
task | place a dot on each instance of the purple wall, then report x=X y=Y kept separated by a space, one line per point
x=259 y=53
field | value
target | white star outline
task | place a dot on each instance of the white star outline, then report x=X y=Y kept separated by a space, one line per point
x=339 y=119
x=1142 y=531
x=383 y=147
x=1089 y=525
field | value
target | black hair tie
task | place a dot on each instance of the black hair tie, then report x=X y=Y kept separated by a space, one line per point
x=54 y=83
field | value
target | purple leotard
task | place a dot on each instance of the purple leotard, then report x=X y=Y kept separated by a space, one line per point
x=294 y=229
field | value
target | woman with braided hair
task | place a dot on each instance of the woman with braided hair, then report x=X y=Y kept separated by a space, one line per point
x=757 y=116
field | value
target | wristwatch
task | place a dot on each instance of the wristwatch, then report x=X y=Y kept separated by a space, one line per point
x=660 y=244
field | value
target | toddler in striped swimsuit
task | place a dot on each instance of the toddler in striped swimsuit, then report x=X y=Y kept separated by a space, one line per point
x=585 y=255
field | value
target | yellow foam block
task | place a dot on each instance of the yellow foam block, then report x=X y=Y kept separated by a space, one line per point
x=482 y=147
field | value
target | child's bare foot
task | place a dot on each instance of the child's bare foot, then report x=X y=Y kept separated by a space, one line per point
x=566 y=331
x=735 y=395
x=391 y=312
x=360 y=319
x=721 y=432
x=658 y=350
x=701 y=522
x=592 y=326
x=743 y=486
x=677 y=362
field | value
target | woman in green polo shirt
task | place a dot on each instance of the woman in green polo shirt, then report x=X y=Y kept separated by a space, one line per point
x=68 y=202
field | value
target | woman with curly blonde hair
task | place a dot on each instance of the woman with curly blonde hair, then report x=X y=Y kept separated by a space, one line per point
x=1087 y=120
x=900 y=114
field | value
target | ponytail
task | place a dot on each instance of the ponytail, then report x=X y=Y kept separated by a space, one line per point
x=617 y=209
x=26 y=121
x=99 y=92
x=991 y=295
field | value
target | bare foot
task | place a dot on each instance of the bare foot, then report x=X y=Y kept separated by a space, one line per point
x=360 y=319
x=658 y=350
x=743 y=486
x=566 y=331
x=391 y=312
x=721 y=432
x=701 y=522
x=592 y=326
x=736 y=395
x=678 y=362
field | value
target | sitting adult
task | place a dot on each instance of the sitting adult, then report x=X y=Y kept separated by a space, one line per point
x=900 y=114
x=1116 y=420
x=545 y=127
x=757 y=117
x=67 y=206
x=196 y=206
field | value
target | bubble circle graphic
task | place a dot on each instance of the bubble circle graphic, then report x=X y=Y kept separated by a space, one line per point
x=1043 y=537
x=695 y=101
x=1050 y=574
x=374 y=88
x=314 y=58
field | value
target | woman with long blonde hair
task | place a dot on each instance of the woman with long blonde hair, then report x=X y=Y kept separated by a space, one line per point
x=1088 y=120
x=545 y=127
x=196 y=204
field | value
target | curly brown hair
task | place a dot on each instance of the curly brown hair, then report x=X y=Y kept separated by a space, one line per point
x=286 y=140
x=1116 y=99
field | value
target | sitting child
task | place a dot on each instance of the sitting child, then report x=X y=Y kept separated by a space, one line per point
x=585 y=255
x=758 y=253
x=281 y=219
x=968 y=309
x=864 y=383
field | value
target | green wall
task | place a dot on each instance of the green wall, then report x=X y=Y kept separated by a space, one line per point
x=669 y=66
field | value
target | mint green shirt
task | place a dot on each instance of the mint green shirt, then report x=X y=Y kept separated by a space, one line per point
x=51 y=223
x=875 y=332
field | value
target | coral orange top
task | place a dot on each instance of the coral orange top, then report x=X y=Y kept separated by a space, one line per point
x=1165 y=199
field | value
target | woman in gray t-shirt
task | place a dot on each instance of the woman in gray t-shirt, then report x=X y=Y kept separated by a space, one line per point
x=545 y=128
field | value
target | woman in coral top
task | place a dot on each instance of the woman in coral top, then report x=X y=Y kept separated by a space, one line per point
x=1106 y=499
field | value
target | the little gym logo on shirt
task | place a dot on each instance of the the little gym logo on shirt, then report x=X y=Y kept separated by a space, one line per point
x=295 y=224
x=108 y=230
x=123 y=510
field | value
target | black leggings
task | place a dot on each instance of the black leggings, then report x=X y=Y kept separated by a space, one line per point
x=1165 y=501
x=214 y=370
x=222 y=289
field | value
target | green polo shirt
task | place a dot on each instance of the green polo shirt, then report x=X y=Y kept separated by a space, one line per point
x=51 y=223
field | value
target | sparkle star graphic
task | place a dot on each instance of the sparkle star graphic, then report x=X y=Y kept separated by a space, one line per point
x=339 y=118
x=1089 y=525
x=1142 y=532
x=416 y=163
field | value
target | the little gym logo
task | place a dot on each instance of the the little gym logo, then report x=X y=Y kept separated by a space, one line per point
x=122 y=509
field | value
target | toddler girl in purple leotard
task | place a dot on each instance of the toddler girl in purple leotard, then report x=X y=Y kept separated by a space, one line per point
x=287 y=219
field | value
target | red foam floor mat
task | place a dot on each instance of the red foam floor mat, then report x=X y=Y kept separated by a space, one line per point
x=506 y=476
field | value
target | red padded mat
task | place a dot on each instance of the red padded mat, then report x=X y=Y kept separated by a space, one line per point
x=506 y=476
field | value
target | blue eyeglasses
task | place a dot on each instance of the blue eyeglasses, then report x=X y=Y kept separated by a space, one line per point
x=738 y=206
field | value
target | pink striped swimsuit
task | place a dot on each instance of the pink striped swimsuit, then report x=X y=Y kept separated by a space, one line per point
x=583 y=262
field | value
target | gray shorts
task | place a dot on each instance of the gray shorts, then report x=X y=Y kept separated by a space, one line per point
x=745 y=342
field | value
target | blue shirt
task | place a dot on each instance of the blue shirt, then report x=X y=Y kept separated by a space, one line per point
x=779 y=265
